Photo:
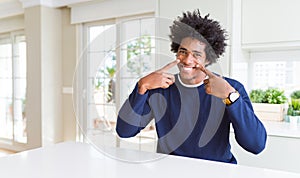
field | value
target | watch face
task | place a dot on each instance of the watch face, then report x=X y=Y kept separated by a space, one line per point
x=234 y=96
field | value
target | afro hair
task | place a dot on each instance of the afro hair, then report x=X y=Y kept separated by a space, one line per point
x=206 y=30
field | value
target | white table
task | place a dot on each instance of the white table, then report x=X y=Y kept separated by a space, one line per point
x=80 y=160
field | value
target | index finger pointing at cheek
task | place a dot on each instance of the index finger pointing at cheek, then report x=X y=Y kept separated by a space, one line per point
x=169 y=66
x=206 y=71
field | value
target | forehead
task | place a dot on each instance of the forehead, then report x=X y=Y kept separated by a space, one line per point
x=192 y=44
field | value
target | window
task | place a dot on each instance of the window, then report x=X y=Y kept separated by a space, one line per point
x=117 y=55
x=275 y=69
x=13 y=87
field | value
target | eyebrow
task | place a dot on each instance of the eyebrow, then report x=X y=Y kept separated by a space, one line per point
x=194 y=51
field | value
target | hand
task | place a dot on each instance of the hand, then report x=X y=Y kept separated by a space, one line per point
x=216 y=85
x=157 y=79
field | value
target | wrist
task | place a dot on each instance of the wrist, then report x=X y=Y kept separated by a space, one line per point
x=228 y=92
x=141 y=88
x=231 y=98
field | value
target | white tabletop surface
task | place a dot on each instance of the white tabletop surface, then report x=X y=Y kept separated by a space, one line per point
x=81 y=160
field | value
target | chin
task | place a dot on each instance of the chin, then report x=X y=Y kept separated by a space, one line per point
x=185 y=76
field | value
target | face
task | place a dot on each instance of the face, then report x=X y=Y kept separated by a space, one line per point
x=190 y=53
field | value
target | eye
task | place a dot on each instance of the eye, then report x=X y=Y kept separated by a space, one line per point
x=197 y=55
x=182 y=52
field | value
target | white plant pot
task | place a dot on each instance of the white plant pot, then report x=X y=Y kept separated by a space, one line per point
x=269 y=112
x=293 y=119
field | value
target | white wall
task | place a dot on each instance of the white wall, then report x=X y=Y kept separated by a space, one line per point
x=68 y=68
x=44 y=83
x=33 y=94
x=51 y=40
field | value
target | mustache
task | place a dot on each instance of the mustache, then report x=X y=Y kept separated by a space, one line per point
x=187 y=65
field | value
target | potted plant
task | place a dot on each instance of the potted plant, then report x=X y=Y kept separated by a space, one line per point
x=294 y=107
x=269 y=104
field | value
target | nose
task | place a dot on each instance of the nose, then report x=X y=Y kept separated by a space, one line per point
x=188 y=59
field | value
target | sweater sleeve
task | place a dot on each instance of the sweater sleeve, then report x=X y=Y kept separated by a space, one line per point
x=134 y=114
x=249 y=132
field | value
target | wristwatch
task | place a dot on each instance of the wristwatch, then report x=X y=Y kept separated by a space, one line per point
x=232 y=97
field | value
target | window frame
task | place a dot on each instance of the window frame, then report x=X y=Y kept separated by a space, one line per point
x=84 y=113
x=11 y=36
x=273 y=56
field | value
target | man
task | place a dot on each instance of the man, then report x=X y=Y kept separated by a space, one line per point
x=193 y=110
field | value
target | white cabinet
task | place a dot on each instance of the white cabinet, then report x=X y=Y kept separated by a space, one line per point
x=270 y=22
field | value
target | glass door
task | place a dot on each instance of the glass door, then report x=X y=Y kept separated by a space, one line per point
x=13 y=88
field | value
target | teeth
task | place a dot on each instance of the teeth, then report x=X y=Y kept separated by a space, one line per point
x=187 y=68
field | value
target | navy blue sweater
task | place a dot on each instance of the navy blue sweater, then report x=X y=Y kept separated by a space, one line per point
x=191 y=123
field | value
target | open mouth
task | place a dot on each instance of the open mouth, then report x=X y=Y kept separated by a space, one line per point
x=188 y=68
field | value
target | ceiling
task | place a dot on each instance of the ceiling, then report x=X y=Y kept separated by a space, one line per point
x=52 y=3
x=5 y=1
x=16 y=7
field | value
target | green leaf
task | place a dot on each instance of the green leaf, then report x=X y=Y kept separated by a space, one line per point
x=271 y=96
x=295 y=94
x=257 y=96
